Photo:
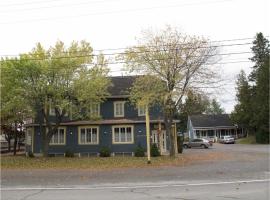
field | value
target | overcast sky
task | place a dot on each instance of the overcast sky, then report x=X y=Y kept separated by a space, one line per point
x=110 y=24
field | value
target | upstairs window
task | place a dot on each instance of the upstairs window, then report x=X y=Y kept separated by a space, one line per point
x=119 y=109
x=94 y=110
x=141 y=110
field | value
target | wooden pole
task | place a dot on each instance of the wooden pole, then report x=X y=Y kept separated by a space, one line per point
x=147 y=121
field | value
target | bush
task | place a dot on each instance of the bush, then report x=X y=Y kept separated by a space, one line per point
x=69 y=154
x=30 y=154
x=139 y=151
x=154 y=150
x=105 y=152
x=262 y=137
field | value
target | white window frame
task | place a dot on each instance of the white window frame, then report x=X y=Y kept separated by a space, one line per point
x=51 y=108
x=65 y=132
x=122 y=103
x=87 y=143
x=123 y=126
x=94 y=114
x=141 y=110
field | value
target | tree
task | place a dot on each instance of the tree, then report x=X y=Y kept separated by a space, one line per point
x=260 y=77
x=195 y=103
x=252 y=109
x=215 y=108
x=13 y=107
x=242 y=113
x=178 y=60
x=59 y=80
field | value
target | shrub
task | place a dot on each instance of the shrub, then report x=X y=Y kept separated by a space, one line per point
x=139 y=151
x=105 y=152
x=179 y=144
x=69 y=154
x=262 y=137
x=154 y=150
x=30 y=154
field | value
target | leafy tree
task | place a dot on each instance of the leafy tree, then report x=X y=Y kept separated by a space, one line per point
x=60 y=80
x=13 y=108
x=242 y=113
x=195 y=103
x=260 y=76
x=215 y=108
x=252 y=109
x=178 y=60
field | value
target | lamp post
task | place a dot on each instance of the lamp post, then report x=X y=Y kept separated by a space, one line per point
x=147 y=121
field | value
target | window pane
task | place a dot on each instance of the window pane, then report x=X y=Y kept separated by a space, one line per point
x=61 y=136
x=129 y=139
x=94 y=135
x=88 y=135
x=116 y=137
x=82 y=135
x=123 y=134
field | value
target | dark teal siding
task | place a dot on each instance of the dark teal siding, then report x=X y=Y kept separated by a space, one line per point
x=105 y=140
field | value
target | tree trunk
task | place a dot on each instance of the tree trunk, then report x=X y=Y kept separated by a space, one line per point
x=9 y=145
x=45 y=143
x=168 y=126
x=15 y=144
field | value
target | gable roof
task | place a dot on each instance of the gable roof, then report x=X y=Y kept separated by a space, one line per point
x=211 y=120
x=121 y=85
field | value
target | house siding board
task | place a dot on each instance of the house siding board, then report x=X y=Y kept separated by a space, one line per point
x=105 y=140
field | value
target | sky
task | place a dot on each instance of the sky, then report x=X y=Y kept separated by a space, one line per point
x=110 y=24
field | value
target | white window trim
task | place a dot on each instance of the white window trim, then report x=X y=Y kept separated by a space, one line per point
x=114 y=108
x=139 y=109
x=87 y=143
x=98 y=114
x=123 y=126
x=60 y=144
x=31 y=131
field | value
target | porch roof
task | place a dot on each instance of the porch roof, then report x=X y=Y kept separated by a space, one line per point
x=107 y=121
x=211 y=121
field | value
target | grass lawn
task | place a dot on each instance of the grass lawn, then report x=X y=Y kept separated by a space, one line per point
x=98 y=163
x=247 y=140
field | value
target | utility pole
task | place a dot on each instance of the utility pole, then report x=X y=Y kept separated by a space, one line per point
x=147 y=121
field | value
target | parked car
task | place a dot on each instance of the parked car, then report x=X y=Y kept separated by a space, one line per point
x=203 y=143
x=227 y=140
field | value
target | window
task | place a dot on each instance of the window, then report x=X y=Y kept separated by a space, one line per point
x=94 y=110
x=29 y=136
x=119 y=109
x=88 y=135
x=59 y=138
x=51 y=108
x=141 y=110
x=122 y=134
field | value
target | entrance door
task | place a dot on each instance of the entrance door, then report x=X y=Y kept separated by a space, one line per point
x=160 y=140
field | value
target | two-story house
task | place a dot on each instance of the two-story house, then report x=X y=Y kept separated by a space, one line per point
x=121 y=127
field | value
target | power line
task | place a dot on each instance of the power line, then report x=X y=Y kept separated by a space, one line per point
x=90 y=55
x=55 y=6
x=123 y=53
x=116 y=12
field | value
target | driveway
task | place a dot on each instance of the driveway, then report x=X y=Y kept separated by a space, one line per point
x=242 y=174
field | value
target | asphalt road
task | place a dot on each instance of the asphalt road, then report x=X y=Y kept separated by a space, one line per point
x=244 y=176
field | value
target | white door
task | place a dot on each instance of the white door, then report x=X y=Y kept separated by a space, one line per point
x=160 y=140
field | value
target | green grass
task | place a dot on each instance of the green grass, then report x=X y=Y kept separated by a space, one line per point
x=247 y=140
x=22 y=162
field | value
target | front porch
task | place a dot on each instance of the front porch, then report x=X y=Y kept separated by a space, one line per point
x=216 y=133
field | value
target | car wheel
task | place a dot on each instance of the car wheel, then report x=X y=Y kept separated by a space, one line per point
x=203 y=146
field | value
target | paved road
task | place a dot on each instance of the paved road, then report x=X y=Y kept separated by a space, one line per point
x=245 y=175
